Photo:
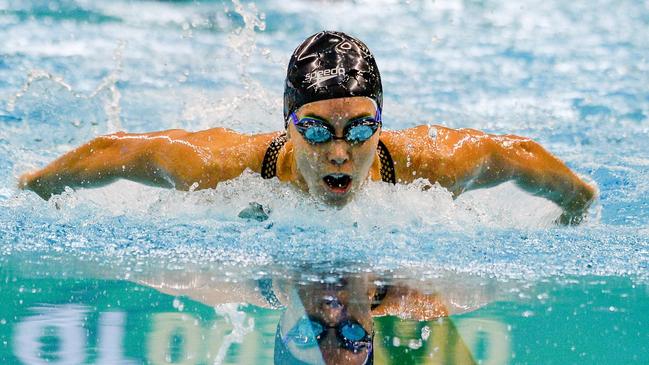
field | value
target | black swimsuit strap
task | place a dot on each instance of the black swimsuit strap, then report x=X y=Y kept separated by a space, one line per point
x=269 y=165
x=387 y=165
x=381 y=292
x=266 y=290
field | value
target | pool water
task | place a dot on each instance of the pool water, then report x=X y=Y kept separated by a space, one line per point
x=76 y=272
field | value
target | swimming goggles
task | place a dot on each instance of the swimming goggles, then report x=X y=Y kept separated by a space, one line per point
x=309 y=331
x=317 y=131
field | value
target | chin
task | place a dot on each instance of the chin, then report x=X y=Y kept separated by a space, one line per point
x=336 y=200
x=331 y=198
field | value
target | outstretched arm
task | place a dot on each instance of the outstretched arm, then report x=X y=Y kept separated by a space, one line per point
x=173 y=158
x=467 y=159
x=537 y=171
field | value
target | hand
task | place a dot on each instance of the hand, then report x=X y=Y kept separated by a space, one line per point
x=576 y=209
x=30 y=181
x=570 y=219
x=23 y=181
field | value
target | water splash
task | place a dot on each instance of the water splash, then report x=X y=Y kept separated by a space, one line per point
x=32 y=77
x=242 y=40
x=256 y=109
x=109 y=84
x=52 y=113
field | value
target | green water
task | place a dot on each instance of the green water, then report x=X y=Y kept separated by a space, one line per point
x=587 y=320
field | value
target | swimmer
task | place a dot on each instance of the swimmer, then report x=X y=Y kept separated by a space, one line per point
x=332 y=144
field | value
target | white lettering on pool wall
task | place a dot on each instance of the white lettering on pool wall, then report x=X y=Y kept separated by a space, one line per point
x=199 y=342
x=182 y=338
x=65 y=322
x=494 y=335
x=111 y=339
x=165 y=327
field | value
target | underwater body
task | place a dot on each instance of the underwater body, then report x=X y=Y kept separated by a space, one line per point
x=125 y=274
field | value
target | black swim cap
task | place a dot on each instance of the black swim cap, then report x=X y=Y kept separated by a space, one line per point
x=330 y=65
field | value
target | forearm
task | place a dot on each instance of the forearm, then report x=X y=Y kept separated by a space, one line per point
x=94 y=164
x=539 y=172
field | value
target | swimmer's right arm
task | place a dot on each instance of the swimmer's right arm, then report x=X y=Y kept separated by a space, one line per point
x=169 y=159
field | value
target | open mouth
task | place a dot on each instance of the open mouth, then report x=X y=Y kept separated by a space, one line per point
x=338 y=183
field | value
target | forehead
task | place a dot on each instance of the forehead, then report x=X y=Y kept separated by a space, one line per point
x=340 y=107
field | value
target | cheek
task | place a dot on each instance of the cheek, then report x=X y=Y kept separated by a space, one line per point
x=364 y=155
x=308 y=159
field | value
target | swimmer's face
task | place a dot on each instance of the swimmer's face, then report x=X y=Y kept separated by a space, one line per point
x=333 y=305
x=335 y=170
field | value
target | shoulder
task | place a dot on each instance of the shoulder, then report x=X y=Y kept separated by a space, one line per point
x=227 y=138
x=428 y=137
x=430 y=133
x=443 y=139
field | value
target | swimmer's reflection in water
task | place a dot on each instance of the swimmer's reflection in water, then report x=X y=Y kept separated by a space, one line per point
x=328 y=318
x=327 y=322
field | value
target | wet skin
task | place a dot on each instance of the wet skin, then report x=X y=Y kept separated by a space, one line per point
x=457 y=159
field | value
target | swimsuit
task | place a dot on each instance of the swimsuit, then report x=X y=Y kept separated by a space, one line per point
x=269 y=165
x=266 y=290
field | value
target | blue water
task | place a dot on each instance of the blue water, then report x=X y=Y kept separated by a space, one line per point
x=573 y=76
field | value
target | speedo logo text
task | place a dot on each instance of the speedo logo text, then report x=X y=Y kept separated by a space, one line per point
x=319 y=76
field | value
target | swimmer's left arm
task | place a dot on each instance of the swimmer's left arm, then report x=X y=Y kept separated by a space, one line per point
x=491 y=159
x=466 y=159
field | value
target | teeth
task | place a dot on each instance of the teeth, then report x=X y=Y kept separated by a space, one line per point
x=337 y=180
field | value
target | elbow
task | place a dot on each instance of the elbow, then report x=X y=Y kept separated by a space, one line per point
x=511 y=157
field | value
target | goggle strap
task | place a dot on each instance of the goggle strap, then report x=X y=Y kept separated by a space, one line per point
x=294 y=117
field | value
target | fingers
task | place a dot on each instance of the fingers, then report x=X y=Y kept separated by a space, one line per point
x=570 y=219
x=24 y=181
x=29 y=181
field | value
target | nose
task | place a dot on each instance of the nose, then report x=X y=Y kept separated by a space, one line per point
x=338 y=153
x=332 y=309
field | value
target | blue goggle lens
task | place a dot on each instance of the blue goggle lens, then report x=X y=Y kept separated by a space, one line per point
x=317 y=134
x=305 y=333
x=359 y=133
x=353 y=332
x=309 y=331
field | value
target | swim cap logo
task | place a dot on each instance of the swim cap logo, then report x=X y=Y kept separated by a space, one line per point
x=319 y=76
